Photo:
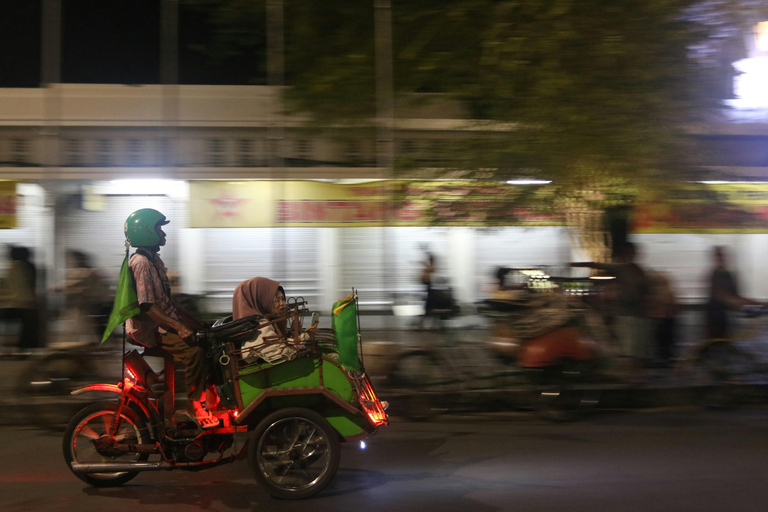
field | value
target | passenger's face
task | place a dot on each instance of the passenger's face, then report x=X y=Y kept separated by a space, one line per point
x=279 y=301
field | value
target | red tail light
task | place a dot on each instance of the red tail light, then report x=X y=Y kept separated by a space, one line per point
x=371 y=403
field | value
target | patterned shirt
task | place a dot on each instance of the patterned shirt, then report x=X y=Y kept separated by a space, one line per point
x=152 y=287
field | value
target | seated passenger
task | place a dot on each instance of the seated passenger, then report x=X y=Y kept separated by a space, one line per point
x=262 y=296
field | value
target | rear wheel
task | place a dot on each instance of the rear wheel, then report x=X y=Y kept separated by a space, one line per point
x=294 y=453
x=562 y=392
x=89 y=427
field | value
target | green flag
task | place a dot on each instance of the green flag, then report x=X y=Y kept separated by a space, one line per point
x=344 y=322
x=126 y=303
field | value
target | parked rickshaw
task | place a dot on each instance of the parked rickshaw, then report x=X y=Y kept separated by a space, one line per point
x=287 y=416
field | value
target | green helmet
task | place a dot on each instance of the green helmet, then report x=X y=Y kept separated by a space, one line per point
x=142 y=228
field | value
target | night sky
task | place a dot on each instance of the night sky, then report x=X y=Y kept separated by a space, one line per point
x=111 y=41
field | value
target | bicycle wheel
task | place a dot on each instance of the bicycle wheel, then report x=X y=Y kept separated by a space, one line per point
x=721 y=369
x=421 y=379
x=44 y=388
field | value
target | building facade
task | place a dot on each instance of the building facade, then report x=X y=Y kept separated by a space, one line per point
x=83 y=157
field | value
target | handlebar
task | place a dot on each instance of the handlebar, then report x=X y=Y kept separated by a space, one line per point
x=752 y=311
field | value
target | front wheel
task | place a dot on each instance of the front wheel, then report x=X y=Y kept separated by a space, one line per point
x=294 y=453
x=721 y=369
x=92 y=425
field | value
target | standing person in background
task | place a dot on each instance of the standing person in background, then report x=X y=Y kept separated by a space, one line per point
x=663 y=311
x=20 y=297
x=723 y=297
x=87 y=297
x=631 y=301
x=427 y=276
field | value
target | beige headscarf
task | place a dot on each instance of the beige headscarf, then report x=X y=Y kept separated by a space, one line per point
x=254 y=297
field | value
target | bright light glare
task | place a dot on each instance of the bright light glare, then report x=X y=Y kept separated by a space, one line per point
x=731 y=182
x=362 y=445
x=173 y=188
x=529 y=182
x=761 y=36
x=751 y=84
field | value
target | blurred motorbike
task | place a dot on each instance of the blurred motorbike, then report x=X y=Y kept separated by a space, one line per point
x=539 y=355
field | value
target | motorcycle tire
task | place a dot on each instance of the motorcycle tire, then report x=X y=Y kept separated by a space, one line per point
x=560 y=394
x=294 y=453
x=89 y=425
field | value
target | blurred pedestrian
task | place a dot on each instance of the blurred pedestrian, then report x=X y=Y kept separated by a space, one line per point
x=663 y=311
x=631 y=301
x=19 y=297
x=432 y=303
x=724 y=297
x=87 y=297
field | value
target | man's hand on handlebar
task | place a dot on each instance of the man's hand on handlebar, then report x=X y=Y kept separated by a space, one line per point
x=185 y=333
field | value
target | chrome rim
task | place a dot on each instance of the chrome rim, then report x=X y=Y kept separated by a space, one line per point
x=294 y=453
x=95 y=427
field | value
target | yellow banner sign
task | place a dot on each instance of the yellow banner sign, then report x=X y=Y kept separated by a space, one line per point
x=7 y=204
x=699 y=208
x=252 y=204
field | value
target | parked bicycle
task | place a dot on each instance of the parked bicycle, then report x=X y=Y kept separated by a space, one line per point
x=44 y=387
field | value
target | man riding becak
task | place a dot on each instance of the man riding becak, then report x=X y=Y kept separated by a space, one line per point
x=153 y=318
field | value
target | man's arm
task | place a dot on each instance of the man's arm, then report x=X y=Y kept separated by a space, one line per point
x=186 y=316
x=167 y=322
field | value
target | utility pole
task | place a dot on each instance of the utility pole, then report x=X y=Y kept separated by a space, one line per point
x=169 y=80
x=385 y=117
x=276 y=129
x=50 y=138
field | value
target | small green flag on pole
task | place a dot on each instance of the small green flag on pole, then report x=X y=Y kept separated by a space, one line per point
x=126 y=303
x=344 y=322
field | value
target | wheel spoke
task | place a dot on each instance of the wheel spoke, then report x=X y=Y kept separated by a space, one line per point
x=294 y=454
x=89 y=433
x=107 y=420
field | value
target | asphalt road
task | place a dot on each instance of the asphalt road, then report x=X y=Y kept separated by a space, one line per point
x=655 y=460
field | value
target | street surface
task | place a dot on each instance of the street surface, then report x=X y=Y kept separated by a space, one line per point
x=683 y=459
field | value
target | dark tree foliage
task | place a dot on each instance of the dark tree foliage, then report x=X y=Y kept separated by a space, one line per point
x=593 y=94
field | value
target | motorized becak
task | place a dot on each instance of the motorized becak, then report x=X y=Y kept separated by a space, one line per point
x=539 y=353
x=286 y=415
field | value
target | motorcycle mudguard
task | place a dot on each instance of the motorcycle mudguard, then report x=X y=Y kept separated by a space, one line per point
x=556 y=345
x=114 y=388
